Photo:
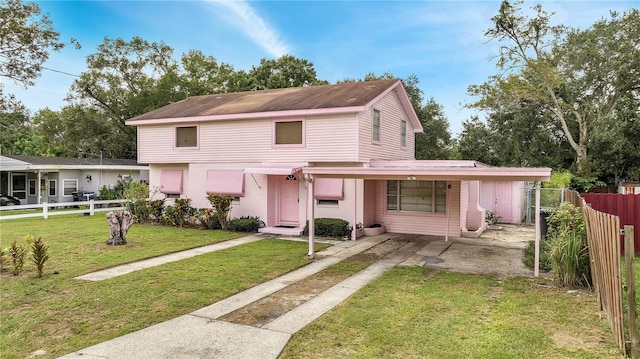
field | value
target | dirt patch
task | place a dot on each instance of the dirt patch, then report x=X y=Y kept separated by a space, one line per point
x=267 y=309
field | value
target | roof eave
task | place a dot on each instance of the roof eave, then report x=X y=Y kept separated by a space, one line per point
x=243 y=116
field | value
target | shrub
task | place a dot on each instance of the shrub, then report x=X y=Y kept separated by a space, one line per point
x=222 y=205
x=156 y=209
x=529 y=255
x=3 y=258
x=330 y=227
x=137 y=194
x=245 y=224
x=568 y=250
x=39 y=254
x=17 y=253
x=207 y=219
x=183 y=210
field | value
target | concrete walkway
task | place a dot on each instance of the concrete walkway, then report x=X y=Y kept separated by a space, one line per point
x=201 y=335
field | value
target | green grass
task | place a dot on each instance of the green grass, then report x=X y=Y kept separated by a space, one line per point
x=60 y=314
x=413 y=313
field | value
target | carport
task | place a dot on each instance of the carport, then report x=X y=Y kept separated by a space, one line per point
x=449 y=171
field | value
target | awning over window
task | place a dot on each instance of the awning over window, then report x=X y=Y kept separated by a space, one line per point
x=284 y=169
x=225 y=182
x=171 y=182
x=328 y=189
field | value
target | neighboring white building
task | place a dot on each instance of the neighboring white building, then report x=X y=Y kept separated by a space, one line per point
x=55 y=179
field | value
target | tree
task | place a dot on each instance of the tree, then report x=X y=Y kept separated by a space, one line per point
x=577 y=80
x=202 y=75
x=124 y=79
x=435 y=142
x=26 y=39
x=287 y=71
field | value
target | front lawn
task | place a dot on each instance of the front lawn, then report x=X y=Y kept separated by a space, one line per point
x=411 y=312
x=59 y=314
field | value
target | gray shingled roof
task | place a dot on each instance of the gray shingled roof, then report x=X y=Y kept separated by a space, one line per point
x=287 y=99
x=69 y=161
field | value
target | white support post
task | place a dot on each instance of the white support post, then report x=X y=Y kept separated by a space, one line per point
x=312 y=216
x=39 y=188
x=45 y=210
x=536 y=266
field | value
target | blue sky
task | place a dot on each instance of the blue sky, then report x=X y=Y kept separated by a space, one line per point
x=441 y=42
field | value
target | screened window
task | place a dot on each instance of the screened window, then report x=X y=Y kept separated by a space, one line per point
x=376 y=126
x=417 y=196
x=187 y=136
x=52 y=188
x=403 y=134
x=69 y=186
x=288 y=133
x=328 y=202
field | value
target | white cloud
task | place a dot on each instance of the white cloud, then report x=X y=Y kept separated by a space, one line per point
x=255 y=27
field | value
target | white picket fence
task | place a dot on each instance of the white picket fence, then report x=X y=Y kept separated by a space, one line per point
x=45 y=210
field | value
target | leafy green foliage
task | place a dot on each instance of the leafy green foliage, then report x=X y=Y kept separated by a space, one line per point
x=28 y=37
x=17 y=252
x=564 y=75
x=330 y=227
x=39 y=254
x=183 y=210
x=530 y=255
x=245 y=224
x=222 y=206
x=568 y=250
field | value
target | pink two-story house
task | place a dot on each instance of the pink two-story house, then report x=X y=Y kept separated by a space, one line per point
x=288 y=155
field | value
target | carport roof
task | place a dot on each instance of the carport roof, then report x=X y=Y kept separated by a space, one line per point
x=432 y=170
x=24 y=163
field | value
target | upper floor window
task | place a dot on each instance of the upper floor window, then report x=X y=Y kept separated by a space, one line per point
x=403 y=133
x=375 y=136
x=288 y=133
x=417 y=196
x=187 y=136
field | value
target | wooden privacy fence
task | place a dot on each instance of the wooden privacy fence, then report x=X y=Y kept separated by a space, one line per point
x=625 y=206
x=603 y=239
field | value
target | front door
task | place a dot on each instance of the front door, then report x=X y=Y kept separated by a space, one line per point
x=288 y=200
x=503 y=201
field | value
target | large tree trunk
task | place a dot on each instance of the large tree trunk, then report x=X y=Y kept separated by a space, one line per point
x=119 y=223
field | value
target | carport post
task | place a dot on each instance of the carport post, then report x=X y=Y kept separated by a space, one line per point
x=536 y=265
x=312 y=216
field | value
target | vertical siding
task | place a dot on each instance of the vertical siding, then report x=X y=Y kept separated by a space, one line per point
x=391 y=116
x=419 y=223
x=464 y=202
x=327 y=138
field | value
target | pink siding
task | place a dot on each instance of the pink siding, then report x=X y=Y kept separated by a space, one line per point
x=418 y=223
x=392 y=114
x=464 y=203
x=251 y=140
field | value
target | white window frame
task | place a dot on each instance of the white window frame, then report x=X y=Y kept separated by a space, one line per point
x=53 y=187
x=32 y=189
x=376 y=128
x=437 y=200
x=64 y=187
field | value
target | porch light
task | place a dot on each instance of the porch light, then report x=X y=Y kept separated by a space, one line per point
x=411 y=178
x=88 y=178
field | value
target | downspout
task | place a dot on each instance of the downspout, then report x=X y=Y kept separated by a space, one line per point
x=311 y=216
x=536 y=266
x=446 y=234
x=354 y=230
